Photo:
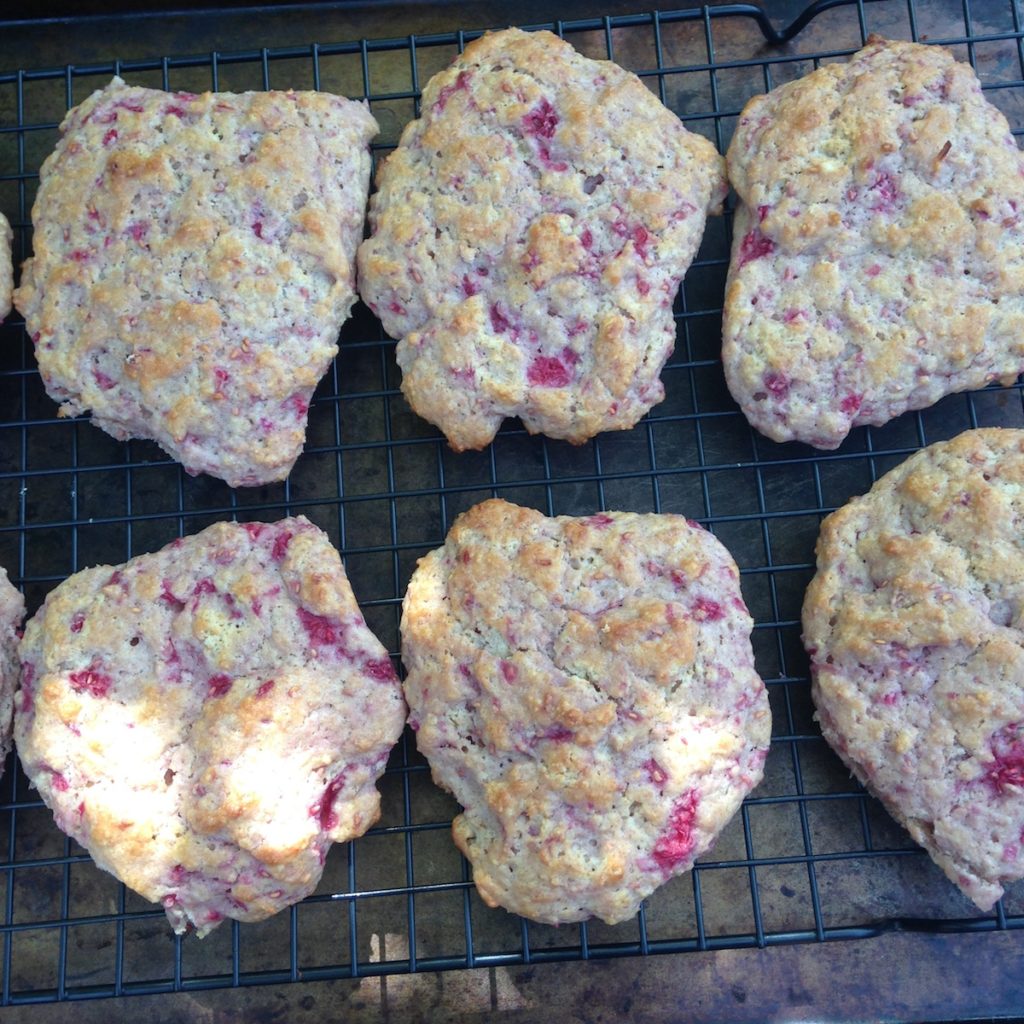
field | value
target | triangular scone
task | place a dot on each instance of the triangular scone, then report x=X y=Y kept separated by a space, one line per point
x=194 y=261
x=878 y=255
x=914 y=625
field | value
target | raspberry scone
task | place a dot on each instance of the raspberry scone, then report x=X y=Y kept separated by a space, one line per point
x=194 y=261
x=914 y=625
x=586 y=690
x=528 y=238
x=208 y=719
x=12 y=611
x=878 y=256
x=6 y=266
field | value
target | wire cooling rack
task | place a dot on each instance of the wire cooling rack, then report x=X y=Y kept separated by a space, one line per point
x=809 y=858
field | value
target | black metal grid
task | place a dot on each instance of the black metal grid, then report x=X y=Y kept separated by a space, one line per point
x=810 y=857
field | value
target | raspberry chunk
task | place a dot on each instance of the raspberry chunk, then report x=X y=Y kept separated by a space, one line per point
x=280 y=548
x=379 y=668
x=90 y=681
x=886 y=192
x=706 y=610
x=559 y=734
x=219 y=685
x=499 y=321
x=541 y=121
x=641 y=237
x=548 y=372
x=777 y=383
x=754 y=246
x=851 y=404
x=677 y=842
x=1007 y=767
x=321 y=631
x=324 y=810
x=448 y=91
x=655 y=772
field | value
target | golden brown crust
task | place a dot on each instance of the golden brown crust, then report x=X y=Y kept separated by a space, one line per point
x=528 y=238
x=586 y=689
x=915 y=628
x=878 y=257
x=216 y=357
x=208 y=719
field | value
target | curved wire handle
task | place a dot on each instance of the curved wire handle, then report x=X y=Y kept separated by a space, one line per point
x=779 y=36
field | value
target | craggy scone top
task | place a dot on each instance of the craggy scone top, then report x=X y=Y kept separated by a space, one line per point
x=915 y=628
x=528 y=239
x=208 y=719
x=194 y=261
x=586 y=690
x=878 y=259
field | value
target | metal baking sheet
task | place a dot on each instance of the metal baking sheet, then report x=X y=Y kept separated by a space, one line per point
x=810 y=857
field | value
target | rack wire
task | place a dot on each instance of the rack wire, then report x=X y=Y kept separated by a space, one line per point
x=810 y=858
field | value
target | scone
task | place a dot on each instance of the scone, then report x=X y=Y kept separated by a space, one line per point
x=208 y=719
x=914 y=625
x=6 y=266
x=586 y=690
x=528 y=239
x=878 y=256
x=12 y=611
x=194 y=261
